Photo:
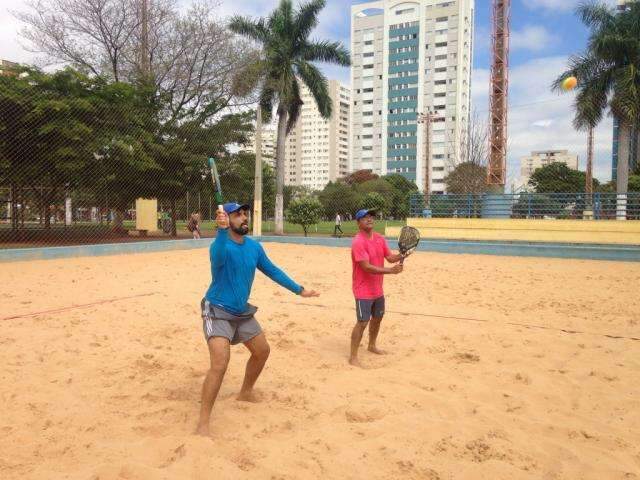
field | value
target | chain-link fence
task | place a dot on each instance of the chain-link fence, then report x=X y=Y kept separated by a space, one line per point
x=78 y=152
x=596 y=206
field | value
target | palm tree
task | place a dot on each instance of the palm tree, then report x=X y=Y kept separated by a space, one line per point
x=608 y=76
x=286 y=59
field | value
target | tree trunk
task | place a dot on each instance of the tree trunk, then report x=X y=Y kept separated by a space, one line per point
x=14 y=207
x=587 y=213
x=280 y=153
x=118 y=221
x=622 y=179
x=174 y=218
x=48 y=198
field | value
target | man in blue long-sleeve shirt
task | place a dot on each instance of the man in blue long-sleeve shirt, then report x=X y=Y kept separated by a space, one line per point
x=227 y=317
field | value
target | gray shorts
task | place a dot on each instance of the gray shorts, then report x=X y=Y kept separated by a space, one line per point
x=367 y=309
x=220 y=323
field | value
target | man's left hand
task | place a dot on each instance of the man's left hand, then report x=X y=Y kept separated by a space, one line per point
x=309 y=293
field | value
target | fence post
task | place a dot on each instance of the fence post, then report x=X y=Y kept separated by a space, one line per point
x=529 y=205
x=468 y=205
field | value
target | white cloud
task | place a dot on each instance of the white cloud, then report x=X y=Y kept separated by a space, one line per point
x=534 y=38
x=539 y=119
x=542 y=123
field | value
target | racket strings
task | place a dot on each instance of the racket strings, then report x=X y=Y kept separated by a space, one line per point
x=409 y=238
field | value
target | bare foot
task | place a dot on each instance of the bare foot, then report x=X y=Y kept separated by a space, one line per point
x=248 y=397
x=355 y=362
x=202 y=430
x=377 y=351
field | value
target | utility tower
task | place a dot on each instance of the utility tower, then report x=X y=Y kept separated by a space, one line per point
x=497 y=169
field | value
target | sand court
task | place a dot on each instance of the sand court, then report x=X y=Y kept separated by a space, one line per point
x=497 y=368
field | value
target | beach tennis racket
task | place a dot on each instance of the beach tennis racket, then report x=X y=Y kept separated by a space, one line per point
x=408 y=241
x=217 y=189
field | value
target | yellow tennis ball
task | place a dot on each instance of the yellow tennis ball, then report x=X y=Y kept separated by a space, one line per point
x=569 y=83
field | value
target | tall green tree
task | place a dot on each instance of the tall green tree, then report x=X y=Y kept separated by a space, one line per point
x=287 y=58
x=608 y=74
x=181 y=153
x=399 y=206
x=48 y=129
x=375 y=201
x=237 y=178
x=339 y=198
x=558 y=178
x=467 y=177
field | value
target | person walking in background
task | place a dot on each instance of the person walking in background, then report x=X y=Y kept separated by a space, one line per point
x=194 y=225
x=338 y=226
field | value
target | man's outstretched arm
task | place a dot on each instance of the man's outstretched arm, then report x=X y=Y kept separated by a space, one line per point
x=267 y=267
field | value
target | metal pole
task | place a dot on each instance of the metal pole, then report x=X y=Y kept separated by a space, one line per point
x=257 y=189
x=426 y=119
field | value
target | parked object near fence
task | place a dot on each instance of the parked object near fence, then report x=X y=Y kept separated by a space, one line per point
x=496 y=206
x=146 y=215
x=597 y=206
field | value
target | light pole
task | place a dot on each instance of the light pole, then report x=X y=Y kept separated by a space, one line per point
x=257 y=188
x=426 y=119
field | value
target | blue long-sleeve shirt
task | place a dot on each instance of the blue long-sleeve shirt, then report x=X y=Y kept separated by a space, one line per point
x=233 y=268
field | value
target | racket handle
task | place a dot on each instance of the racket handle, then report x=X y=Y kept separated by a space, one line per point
x=220 y=209
x=402 y=260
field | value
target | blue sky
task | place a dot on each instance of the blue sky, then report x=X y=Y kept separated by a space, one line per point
x=544 y=34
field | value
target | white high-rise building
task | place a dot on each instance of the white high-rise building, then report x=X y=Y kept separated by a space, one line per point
x=269 y=136
x=542 y=158
x=410 y=57
x=317 y=149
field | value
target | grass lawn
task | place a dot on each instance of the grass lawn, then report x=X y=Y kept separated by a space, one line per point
x=323 y=228
x=86 y=232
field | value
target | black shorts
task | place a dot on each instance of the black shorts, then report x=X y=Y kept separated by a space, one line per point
x=367 y=309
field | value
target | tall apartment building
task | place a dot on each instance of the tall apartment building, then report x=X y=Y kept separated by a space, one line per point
x=410 y=57
x=269 y=137
x=317 y=150
x=542 y=158
x=634 y=140
x=5 y=65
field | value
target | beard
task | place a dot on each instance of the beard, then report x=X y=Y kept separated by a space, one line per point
x=243 y=229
